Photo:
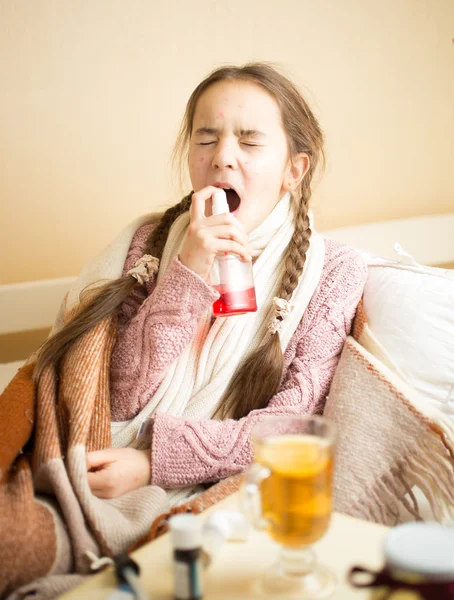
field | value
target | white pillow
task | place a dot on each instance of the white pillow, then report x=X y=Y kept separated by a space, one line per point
x=410 y=310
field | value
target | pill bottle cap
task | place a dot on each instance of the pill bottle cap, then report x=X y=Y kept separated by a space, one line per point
x=185 y=531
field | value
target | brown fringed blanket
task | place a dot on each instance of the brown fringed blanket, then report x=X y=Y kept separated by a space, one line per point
x=50 y=522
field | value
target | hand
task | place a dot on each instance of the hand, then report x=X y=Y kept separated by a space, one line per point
x=116 y=471
x=207 y=236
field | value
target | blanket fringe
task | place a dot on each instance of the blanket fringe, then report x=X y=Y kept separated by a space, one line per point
x=426 y=465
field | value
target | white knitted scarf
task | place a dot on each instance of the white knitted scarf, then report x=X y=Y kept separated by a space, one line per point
x=195 y=383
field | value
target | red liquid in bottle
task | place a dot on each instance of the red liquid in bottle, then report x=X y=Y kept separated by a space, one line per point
x=234 y=302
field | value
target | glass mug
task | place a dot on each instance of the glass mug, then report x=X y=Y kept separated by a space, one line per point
x=287 y=492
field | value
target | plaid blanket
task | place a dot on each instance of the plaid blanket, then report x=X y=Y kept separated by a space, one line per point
x=50 y=522
x=392 y=441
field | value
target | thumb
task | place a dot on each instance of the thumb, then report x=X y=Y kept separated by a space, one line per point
x=97 y=458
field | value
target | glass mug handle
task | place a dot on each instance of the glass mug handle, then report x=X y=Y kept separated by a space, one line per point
x=250 y=500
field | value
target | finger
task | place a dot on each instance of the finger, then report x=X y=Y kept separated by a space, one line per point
x=97 y=480
x=232 y=246
x=198 y=202
x=225 y=219
x=98 y=458
x=227 y=232
x=100 y=484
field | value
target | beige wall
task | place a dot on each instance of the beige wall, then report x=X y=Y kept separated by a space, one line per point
x=92 y=92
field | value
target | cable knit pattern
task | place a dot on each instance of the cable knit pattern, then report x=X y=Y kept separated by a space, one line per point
x=155 y=326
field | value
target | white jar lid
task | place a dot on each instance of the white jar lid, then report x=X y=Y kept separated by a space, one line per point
x=423 y=548
x=186 y=531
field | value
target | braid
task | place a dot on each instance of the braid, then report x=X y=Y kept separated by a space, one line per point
x=295 y=256
x=246 y=393
x=158 y=237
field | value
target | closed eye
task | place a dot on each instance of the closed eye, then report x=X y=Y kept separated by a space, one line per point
x=243 y=143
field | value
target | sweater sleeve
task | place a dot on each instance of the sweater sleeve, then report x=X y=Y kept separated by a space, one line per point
x=189 y=452
x=153 y=331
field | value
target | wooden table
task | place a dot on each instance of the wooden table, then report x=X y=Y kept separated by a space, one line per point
x=348 y=542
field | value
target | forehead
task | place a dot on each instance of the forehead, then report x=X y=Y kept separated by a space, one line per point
x=244 y=102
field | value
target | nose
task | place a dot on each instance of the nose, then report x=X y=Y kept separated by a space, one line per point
x=225 y=156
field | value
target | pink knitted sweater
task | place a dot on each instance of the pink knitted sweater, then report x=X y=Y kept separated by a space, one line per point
x=157 y=322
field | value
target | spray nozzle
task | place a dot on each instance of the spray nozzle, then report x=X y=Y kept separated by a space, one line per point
x=219 y=203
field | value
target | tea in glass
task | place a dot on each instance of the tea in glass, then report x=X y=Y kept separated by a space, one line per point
x=287 y=491
x=296 y=497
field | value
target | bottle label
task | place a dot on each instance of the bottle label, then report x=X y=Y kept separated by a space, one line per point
x=187 y=580
x=230 y=271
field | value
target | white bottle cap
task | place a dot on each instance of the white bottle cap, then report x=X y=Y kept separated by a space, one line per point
x=423 y=548
x=233 y=524
x=219 y=203
x=186 y=532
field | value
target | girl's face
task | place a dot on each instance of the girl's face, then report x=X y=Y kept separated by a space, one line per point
x=238 y=142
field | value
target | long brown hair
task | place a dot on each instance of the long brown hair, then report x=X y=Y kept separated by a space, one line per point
x=259 y=376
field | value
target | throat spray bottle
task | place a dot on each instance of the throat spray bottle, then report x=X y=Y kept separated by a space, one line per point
x=230 y=276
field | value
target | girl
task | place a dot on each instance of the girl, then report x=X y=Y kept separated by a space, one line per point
x=196 y=384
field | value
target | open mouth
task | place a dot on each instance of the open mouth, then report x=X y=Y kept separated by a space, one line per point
x=233 y=199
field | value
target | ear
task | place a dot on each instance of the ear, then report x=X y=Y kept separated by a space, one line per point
x=295 y=171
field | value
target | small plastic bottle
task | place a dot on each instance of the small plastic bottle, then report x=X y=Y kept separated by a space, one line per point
x=230 y=276
x=186 y=533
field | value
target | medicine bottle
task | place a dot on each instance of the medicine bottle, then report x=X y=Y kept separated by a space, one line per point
x=230 y=276
x=186 y=535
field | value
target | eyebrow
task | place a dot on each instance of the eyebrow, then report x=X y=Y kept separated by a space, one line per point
x=251 y=133
x=241 y=132
x=207 y=130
